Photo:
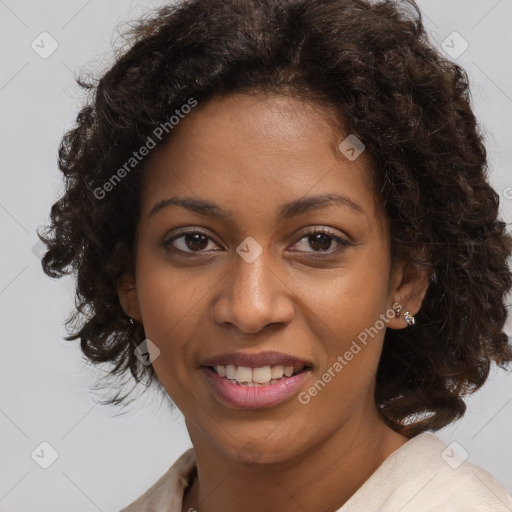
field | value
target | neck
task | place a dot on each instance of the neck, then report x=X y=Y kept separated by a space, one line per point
x=321 y=478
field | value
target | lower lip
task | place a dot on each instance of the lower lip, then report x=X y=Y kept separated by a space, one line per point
x=253 y=397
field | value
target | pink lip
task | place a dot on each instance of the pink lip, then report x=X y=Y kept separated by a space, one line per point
x=267 y=358
x=254 y=397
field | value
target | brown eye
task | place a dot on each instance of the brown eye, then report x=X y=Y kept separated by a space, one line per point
x=196 y=242
x=321 y=240
x=189 y=242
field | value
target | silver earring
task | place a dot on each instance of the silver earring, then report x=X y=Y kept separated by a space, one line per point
x=397 y=310
x=409 y=318
x=131 y=321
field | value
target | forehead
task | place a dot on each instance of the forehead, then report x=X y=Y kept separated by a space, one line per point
x=249 y=151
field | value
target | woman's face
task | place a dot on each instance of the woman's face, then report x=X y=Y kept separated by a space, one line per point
x=254 y=278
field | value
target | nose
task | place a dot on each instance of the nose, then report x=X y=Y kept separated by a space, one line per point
x=253 y=295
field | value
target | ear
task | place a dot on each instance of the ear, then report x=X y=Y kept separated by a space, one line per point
x=127 y=293
x=409 y=284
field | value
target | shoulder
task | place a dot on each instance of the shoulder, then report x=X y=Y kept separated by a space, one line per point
x=166 y=495
x=425 y=475
x=467 y=489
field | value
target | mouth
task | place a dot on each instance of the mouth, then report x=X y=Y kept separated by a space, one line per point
x=255 y=380
x=257 y=377
x=242 y=387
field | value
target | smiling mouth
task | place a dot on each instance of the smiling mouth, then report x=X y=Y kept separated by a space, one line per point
x=256 y=377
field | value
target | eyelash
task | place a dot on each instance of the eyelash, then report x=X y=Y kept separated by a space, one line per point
x=167 y=244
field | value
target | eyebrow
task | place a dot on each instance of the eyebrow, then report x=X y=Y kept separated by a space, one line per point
x=285 y=211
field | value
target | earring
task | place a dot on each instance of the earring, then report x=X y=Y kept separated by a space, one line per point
x=397 y=310
x=409 y=318
x=131 y=321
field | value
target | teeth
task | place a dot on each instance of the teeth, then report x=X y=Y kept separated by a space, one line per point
x=276 y=372
x=288 y=371
x=243 y=374
x=230 y=371
x=254 y=376
x=261 y=375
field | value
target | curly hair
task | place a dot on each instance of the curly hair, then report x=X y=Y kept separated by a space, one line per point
x=371 y=63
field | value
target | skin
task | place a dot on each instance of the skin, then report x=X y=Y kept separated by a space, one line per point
x=250 y=154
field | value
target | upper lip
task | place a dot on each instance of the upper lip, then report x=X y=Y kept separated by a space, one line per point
x=267 y=358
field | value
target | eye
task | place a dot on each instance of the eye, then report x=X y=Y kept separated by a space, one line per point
x=190 y=241
x=321 y=240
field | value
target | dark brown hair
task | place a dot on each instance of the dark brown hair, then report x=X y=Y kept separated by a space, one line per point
x=371 y=63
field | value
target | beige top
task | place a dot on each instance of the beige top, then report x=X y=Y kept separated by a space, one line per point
x=423 y=475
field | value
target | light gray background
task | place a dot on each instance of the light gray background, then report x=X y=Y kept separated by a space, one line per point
x=106 y=460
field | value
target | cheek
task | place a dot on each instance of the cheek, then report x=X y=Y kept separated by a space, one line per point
x=351 y=316
x=173 y=304
x=351 y=309
x=351 y=298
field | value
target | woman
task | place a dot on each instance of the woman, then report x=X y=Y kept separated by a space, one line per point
x=278 y=212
